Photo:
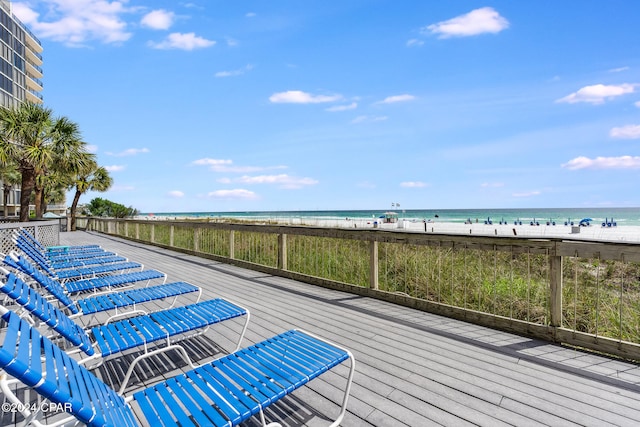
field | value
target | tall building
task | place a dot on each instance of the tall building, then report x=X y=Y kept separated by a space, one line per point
x=20 y=60
x=20 y=76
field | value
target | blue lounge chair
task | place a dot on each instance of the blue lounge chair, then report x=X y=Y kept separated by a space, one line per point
x=71 y=273
x=55 y=249
x=115 y=300
x=67 y=258
x=29 y=243
x=62 y=264
x=60 y=288
x=225 y=392
x=110 y=339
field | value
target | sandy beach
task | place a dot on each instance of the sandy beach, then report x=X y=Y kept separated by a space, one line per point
x=591 y=232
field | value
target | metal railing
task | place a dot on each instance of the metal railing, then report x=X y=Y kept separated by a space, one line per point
x=581 y=293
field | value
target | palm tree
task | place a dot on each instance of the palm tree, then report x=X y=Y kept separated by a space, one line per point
x=9 y=176
x=89 y=178
x=36 y=141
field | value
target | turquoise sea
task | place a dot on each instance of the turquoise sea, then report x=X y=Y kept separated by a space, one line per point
x=621 y=216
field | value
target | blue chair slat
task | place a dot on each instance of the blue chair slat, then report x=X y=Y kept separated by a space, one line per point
x=128 y=333
x=36 y=304
x=298 y=360
x=285 y=380
x=111 y=339
x=165 y=417
x=195 y=405
x=224 y=395
x=64 y=382
x=225 y=392
x=29 y=239
x=49 y=389
x=112 y=281
x=169 y=321
x=149 y=329
x=175 y=406
x=90 y=306
x=241 y=383
x=46 y=282
x=63 y=264
x=100 y=269
x=79 y=256
x=152 y=418
x=161 y=291
x=133 y=336
x=120 y=299
x=240 y=372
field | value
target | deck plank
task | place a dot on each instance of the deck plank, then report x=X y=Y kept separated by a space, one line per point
x=413 y=368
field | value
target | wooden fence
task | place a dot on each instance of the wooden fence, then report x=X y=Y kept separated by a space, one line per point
x=581 y=293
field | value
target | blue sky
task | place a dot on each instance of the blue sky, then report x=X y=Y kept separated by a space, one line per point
x=317 y=105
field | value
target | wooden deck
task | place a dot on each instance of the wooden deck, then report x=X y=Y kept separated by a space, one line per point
x=413 y=368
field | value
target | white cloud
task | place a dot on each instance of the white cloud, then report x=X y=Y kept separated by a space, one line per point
x=250 y=15
x=233 y=194
x=128 y=152
x=365 y=119
x=351 y=106
x=211 y=162
x=527 y=194
x=299 y=97
x=413 y=184
x=414 y=42
x=637 y=104
x=218 y=165
x=282 y=180
x=626 y=132
x=233 y=73
x=597 y=94
x=114 y=168
x=492 y=184
x=397 y=98
x=75 y=23
x=183 y=41
x=622 y=162
x=91 y=148
x=617 y=70
x=158 y=19
x=176 y=194
x=231 y=42
x=478 y=21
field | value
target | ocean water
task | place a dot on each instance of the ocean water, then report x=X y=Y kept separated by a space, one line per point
x=621 y=216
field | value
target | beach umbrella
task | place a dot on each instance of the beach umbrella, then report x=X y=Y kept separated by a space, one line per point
x=585 y=220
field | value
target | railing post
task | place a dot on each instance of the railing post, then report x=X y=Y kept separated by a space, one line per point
x=196 y=239
x=373 y=264
x=282 y=251
x=126 y=229
x=171 y=235
x=232 y=244
x=555 y=283
x=137 y=231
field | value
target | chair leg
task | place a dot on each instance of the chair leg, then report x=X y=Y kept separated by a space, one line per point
x=176 y=347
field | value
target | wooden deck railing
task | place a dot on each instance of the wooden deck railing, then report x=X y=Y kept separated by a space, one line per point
x=582 y=293
x=47 y=233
